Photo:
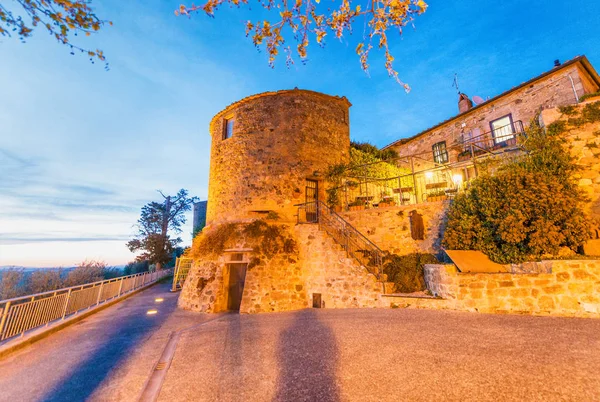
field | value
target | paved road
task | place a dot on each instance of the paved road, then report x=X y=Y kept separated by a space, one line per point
x=310 y=355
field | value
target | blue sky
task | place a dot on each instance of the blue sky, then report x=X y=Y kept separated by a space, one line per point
x=82 y=149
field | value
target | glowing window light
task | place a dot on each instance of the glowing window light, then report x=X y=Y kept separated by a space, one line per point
x=457 y=179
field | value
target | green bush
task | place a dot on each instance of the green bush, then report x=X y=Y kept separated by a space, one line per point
x=406 y=271
x=529 y=209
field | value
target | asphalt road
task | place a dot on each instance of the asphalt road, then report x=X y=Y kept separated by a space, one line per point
x=310 y=355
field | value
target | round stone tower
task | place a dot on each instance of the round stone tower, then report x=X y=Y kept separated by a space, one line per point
x=270 y=151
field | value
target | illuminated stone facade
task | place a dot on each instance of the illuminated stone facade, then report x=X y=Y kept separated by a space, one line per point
x=278 y=140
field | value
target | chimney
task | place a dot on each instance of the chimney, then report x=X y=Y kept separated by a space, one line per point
x=464 y=103
x=556 y=63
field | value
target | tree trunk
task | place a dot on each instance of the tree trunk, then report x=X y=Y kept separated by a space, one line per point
x=165 y=228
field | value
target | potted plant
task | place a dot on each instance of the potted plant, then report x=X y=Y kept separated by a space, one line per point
x=386 y=201
x=357 y=205
x=439 y=195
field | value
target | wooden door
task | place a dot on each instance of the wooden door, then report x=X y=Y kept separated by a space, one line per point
x=237 y=278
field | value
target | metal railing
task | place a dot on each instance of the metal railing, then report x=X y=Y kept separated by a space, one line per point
x=182 y=268
x=352 y=241
x=22 y=314
x=426 y=179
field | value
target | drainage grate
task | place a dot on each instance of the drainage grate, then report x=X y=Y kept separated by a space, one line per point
x=161 y=366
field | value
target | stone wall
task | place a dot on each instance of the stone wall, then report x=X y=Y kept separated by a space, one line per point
x=279 y=140
x=571 y=289
x=340 y=280
x=523 y=104
x=286 y=281
x=584 y=143
x=389 y=228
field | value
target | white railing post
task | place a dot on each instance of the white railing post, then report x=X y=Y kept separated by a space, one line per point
x=120 y=287
x=99 y=294
x=5 y=312
x=66 y=304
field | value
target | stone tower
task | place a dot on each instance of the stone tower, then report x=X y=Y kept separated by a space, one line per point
x=268 y=148
x=269 y=152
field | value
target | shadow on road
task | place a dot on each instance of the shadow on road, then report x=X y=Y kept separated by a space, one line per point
x=307 y=355
x=231 y=385
x=116 y=337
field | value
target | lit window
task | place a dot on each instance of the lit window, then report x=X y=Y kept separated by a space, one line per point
x=502 y=129
x=228 y=129
x=440 y=154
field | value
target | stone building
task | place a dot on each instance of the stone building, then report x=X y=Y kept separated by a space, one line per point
x=269 y=153
x=442 y=156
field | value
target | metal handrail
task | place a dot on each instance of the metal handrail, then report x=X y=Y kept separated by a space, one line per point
x=180 y=273
x=356 y=245
x=22 y=314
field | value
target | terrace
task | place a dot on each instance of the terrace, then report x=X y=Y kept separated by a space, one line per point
x=425 y=177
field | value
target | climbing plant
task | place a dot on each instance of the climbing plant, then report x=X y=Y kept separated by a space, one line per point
x=366 y=161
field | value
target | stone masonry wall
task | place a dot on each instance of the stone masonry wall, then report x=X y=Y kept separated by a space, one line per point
x=287 y=281
x=523 y=104
x=279 y=140
x=571 y=289
x=340 y=280
x=584 y=143
x=389 y=228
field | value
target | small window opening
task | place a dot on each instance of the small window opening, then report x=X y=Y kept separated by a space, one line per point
x=228 y=128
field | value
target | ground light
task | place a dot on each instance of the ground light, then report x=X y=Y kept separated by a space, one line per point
x=159 y=300
x=151 y=312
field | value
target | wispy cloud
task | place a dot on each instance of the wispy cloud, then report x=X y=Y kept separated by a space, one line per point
x=7 y=239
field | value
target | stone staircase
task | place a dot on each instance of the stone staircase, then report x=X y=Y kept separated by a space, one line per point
x=355 y=244
x=339 y=280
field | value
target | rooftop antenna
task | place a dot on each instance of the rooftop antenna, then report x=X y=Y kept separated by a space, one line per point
x=455 y=83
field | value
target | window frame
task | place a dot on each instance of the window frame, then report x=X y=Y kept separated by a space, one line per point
x=226 y=134
x=440 y=153
x=506 y=137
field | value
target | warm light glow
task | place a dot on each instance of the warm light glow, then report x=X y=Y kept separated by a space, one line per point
x=151 y=312
x=428 y=175
x=457 y=179
x=159 y=300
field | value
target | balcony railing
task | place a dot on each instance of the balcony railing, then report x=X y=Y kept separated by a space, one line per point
x=428 y=179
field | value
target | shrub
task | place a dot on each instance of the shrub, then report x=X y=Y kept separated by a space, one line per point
x=87 y=272
x=44 y=280
x=267 y=239
x=12 y=284
x=530 y=208
x=135 y=267
x=406 y=271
